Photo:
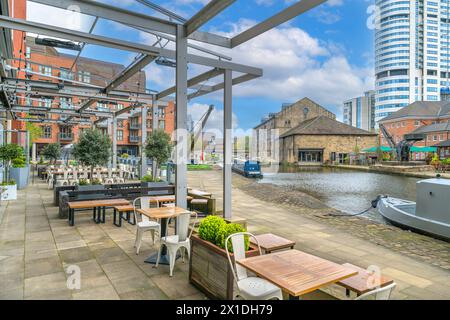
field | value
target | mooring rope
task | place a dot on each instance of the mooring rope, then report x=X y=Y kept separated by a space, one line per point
x=374 y=204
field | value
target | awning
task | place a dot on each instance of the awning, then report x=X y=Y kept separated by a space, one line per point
x=376 y=149
x=424 y=149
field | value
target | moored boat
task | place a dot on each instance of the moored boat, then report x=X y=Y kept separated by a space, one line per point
x=429 y=215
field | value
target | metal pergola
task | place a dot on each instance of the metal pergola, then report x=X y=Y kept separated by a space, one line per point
x=175 y=29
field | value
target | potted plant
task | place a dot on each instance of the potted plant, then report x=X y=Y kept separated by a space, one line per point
x=93 y=149
x=20 y=172
x=52 y=152
x=209 y=269
x=9 y=152
x=158 y=148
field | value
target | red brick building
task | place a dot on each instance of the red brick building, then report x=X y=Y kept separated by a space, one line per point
x=426 y=117
x=45 y=63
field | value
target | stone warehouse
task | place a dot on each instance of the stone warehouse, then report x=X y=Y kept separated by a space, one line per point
x=321 y=140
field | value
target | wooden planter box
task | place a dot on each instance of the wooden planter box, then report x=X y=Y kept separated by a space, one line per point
x=210 y=271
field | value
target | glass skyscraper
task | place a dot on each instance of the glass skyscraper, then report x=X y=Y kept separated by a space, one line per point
x=412 y=52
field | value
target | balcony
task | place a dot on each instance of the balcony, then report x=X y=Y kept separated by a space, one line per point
x=134 y=126
x=65 y=137
x=134 y=139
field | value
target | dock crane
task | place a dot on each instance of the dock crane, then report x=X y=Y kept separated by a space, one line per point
x=197 y=130
x=403 y=148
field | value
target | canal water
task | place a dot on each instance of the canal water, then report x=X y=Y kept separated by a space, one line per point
x=346 y=190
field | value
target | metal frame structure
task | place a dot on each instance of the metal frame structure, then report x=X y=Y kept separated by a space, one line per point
x=181 y=32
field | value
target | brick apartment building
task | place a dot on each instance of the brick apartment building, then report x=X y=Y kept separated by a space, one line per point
x=429 y=118
x=40 y=62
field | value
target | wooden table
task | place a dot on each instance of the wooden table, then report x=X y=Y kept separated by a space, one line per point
x=296 y=272
x=99 y=206
x=361 y=283
x=270 y=242
x=166 y=199
x=162 y=214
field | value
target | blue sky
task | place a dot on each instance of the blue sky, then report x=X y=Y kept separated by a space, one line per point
x=325 y=54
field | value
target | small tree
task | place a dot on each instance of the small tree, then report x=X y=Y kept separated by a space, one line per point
x=158 y=148
x=34 y=130
x=52 y=151
x=93 y=149
x=9 y=152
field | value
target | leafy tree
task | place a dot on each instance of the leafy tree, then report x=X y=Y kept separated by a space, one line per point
x=159 y=147
x=93 y=149
x=52 y=151
x=9 y=152
x=34 y=130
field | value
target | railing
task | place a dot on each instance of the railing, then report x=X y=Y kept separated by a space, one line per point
x=134 y=139
x=134 y=126
x=65 y=136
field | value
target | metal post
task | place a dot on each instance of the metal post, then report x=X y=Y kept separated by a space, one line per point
x=155 y=121
x=8 y=131
x=181 y=119
x=144 y=167
x=114 y=142
x=227 y=143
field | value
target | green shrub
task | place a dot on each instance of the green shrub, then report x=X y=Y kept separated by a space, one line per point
x=226 y=231
x=210 y=227
x=19 y=162
x=125 y=156
x=446 y=161
x=9 y=183
x=149 y=178
x=83 y=182
x=96 y=182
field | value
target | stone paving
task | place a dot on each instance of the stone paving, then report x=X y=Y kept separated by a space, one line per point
x=419 y=264
x=36 y=248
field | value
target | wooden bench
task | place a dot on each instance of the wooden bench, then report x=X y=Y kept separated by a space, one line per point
x=121 y=210
x=361 y=283
x=270 y=243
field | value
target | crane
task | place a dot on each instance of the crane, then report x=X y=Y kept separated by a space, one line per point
x=403 y=148
x=198 y=129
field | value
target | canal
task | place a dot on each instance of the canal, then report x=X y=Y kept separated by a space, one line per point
x=346 y=190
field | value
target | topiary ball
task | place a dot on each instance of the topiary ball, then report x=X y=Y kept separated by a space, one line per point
x=226 y=231
x=210 y=227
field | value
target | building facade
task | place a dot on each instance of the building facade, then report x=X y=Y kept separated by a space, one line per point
x=412 y=52
x=276 y=124
x=429 y=118
x=323 y=140
x=359 y=112
x=47 y=64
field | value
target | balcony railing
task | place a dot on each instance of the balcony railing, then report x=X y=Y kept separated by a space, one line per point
x=134 y=126
x=65 y=136
x=134 y=139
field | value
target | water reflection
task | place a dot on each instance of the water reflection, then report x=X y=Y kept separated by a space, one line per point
x=346 y=190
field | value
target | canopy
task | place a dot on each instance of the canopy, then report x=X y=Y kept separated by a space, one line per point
x=423 y=149
x=375 y=149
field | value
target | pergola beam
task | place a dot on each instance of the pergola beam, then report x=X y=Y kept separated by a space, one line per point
x=52 y=31
x=130 y=71
x=276 y=20
x=192 y=82
x=213 y=8
x=133 y=19
x=220 y=86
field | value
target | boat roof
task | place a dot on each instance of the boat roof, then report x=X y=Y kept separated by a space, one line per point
x=445 y=182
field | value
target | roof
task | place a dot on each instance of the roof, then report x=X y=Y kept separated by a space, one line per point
x=443 y=144
x=421 y=109
x=436 y=127
x=323 y=125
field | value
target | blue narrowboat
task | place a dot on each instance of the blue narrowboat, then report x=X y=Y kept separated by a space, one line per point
x=248 y=168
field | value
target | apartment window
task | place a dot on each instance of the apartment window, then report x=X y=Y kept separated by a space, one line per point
x=161 y=112
x=403 y=124
x=47 y=132
x=119 y=123
x=28 y=67
x=66 y=74
x=119 y=135
x=435 y=138
x=441 y=137
x=28 y=53
x=417 y=123
x=46 y=70
x=84 y=76
x=102 y=106
x=119 y=106
x=66 y=103
x=398 y=125
x=46 y=103
x=162 y=124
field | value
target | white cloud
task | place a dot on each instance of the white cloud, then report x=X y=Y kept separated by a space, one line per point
x=215 y=120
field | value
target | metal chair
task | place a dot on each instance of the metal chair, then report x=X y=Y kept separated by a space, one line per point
x=181 y=240
x=249 y=288
x=144 y=224
x=383 y=293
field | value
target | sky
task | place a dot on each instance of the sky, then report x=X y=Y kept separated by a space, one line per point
x=325 y=54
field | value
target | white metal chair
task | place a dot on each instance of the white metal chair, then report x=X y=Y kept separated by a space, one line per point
x=73 y=180
x=181 y=240
x=144 y=224
x=249 y=288
x=383 y=293
x=64 y=181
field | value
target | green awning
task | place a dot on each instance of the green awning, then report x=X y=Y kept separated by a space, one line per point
x=423 y=149
x=375 y=149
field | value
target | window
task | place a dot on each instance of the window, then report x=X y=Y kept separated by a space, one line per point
x=47 y=132
x=119 y=123
x=162 y=124
x=45 y=102
x=417 y=123
x=119 y=106
x=66 y=74
x=161 y=112
x=46 y=70
x=119 y=135
x=66 y=103
x=84 y=76
x=102 y=106
x=435 y=138
x=28 y=53
x=403 y=124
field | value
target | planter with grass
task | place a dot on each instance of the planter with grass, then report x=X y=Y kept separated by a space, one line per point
x=9 y=190
x=209 y=269
x=20 y=172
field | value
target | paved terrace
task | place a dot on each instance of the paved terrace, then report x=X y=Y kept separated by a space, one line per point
x=36 y=247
